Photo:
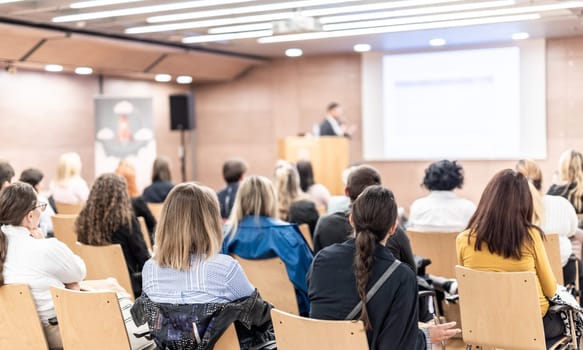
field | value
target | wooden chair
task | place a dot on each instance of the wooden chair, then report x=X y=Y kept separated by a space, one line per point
x=488 y=297
x=145 y=234
x=155 y=209
x=439 y=247
x=90 y=320
x=552 y=247
x=64 y=229
x=229 y=340
x=104 y=262
x=305 y=230
x=70 y=209
x=20 y=327
x=294 y=332
x=270 y=278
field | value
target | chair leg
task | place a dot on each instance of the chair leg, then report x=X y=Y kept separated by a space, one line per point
x=468 y=347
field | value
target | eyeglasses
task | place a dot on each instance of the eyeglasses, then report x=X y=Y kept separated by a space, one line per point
x=41 y=206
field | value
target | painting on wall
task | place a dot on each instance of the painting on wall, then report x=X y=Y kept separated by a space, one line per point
x=125 y=131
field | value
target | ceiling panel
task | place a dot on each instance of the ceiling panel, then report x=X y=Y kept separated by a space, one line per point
x=15 y=42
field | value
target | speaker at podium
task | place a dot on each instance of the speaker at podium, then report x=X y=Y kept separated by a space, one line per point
x=329 y=156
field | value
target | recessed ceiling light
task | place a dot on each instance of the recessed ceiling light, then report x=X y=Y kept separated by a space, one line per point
x=437 y=42
x=184 y=79
x=53 y=68
x=293 y=52
x=361 y=47
x=163 y=78
x=520 y=36
x=83 y=70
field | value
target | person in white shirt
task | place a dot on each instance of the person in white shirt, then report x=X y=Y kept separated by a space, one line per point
x=442 y=210
x=69 y=187
x=34 y=178
x=27 y=258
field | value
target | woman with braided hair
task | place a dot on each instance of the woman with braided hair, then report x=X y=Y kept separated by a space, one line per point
x=342 y=275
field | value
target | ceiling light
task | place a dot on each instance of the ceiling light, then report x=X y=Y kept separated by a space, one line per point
x=241 y=28
x=83 y=70
x=53 y=68
x=239 y=10
x=394 y=29
x=294 y=52
x=520 y=36
x=8 y=1
x=361 y=47
x=437 y=42
x=209 y=23
x=143 y=10
x=163 y=78
x=372 y=7
x=197 y=39
x=184 y=79
x=96 y=3
x=415 y=11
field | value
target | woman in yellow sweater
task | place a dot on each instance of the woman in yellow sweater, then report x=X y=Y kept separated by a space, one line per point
x=501 y=238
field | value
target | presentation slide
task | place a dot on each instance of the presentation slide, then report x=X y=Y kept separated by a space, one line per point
x=456 y=104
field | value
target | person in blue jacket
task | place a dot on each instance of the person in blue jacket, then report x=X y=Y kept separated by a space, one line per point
x=254 y=232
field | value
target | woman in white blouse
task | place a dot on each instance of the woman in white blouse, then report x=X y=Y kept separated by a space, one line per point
x=69 y=187
x=26 y=257
x=442 y=210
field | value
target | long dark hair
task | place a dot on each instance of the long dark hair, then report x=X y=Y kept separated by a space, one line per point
x=374 y=213
x=503 y=217
x=306 y=174
x=16 y=200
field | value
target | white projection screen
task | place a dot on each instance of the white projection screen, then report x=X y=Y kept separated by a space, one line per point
x=486 y=103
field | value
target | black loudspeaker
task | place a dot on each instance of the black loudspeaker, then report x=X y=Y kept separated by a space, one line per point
x=182 y=112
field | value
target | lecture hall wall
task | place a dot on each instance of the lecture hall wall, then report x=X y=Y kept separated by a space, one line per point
x=45 y=114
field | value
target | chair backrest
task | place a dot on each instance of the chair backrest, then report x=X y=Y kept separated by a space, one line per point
x=229 y=340
x=437 y=246
x=90 y=320
x=20 y=327
x=488 y=297
x=295 y=332
x=71 y=209
x=145 y=234
x=552 y=246
x=64 y=229
x=305 y=230
x=155 y=209
x=270 y=278
x=104 y=262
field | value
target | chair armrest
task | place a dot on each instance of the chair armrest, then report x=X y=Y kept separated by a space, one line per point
x=426 y=293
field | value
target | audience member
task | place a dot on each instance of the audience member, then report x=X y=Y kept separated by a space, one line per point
x=442 y=210
x=107 y=218
x=161 y=182
x=233 y=171
x=336 y=228
x=128 y=172
x=6 y=174
x=34 y=177
x=293 y=204
x=342 y=274
x=571 y=176
x=68 y=186
x=26 y=257
x=501 y=237
x=188 y=280
x=341 y=202
x=317 y=192
x=254 y=232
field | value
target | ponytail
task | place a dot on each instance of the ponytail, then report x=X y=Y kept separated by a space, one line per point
x=363 y=262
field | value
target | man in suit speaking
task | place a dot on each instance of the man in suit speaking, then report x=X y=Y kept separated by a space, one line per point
x=333 y=125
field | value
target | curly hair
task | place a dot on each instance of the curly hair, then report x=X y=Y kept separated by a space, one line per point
x=107 y=209
x=444 y=175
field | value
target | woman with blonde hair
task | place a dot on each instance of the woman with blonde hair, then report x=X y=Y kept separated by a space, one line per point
x=107 y=218
x=571 y=176
x=68 y=186
x=187 y=269
x=254 y=232
x=294 y=205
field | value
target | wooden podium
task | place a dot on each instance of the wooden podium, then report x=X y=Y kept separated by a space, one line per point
x=328 y=154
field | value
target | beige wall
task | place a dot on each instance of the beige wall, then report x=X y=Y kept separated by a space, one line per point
x=45 y=114
x=246 y=118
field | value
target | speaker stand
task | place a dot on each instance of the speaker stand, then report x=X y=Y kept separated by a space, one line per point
x=182 y=155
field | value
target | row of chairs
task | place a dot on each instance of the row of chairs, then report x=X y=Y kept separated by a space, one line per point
x=75 y=209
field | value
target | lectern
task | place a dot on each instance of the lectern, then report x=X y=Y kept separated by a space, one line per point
x=328 y=154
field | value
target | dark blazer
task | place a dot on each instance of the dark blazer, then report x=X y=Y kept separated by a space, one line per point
x=326 y=129
x=157 y=191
